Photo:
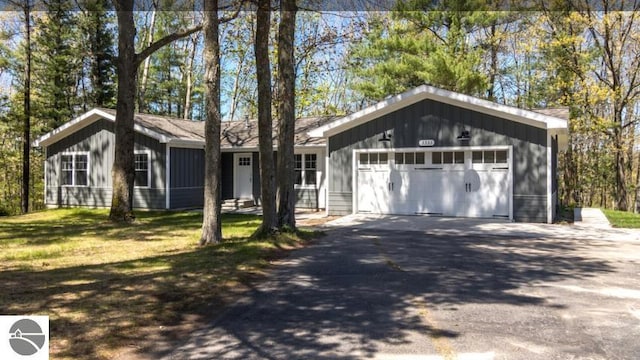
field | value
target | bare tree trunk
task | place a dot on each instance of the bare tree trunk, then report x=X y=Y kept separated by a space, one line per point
x=189 y=85
x=211 y=221
x=26 y=135
x=147 y=61
x=265 y=128
x=286 y=109
x=123 y=165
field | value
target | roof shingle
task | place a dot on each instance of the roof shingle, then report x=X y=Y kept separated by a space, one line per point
x=234 y=134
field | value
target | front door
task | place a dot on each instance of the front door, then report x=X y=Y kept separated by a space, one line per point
x=243 y=176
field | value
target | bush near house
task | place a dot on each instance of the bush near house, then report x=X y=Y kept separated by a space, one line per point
x=112 y=289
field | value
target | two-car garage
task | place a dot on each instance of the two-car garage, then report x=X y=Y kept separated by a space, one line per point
x=468 y=182
x=434 y=152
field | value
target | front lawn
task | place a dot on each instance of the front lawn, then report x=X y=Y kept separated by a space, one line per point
x=622 y=219
x=112 y=289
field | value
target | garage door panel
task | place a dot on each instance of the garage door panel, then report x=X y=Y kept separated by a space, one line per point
x=477 y=187
x=373 y=194
x=427 y=200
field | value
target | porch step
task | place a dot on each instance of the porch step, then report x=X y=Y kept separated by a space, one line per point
x=235 y=204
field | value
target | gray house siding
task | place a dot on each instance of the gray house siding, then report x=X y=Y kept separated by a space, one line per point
x=430 y=119
x=98 y=140
x=187 y=178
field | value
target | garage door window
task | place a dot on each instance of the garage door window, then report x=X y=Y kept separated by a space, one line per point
x=489 y=157
x=447 y=157
x=373 y=159
x=409 y=158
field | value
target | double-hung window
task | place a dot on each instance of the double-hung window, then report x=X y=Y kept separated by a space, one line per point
x=305 y=166
x=74 y=169
x=143 y=175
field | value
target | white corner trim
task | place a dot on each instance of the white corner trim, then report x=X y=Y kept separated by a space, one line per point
x=327 y=170
x=549 y=180
x=449 y=97
x=167 y=176
x=354 y=185
x=510 y=181
x=45 y=176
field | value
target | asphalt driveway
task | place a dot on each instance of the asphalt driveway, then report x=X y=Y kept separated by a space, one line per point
x=420 y=292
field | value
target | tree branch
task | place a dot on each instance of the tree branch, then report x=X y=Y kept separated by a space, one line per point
x=155 y=46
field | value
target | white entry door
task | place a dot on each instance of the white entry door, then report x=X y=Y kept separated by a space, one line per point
x=243 y=176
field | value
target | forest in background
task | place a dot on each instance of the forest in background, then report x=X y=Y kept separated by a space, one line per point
x=587 y=60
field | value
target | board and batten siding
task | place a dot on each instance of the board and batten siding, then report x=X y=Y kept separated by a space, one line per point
x=98 y=139
x=428 y=119
x=187 y=178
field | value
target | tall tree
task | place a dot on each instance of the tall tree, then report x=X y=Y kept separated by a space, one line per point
x=211 y=222
x=57 y=64
x=286 y=111
x=26 y=131
x=127 y=68
x=421 y=43
x=97 y=43
x=265 y=122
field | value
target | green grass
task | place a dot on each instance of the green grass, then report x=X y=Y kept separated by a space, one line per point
x=106 y=286
x=622 y=219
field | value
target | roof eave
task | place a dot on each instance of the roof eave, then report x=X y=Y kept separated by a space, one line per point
x=428 y=92
x=85 y=120
x=72 y=126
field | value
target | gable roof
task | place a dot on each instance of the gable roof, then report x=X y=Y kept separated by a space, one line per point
x=534 y=118
x=165 y=129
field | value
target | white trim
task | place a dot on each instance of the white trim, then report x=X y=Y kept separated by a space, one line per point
x=235 y=173
x=354 y=177
x=444 y=96
x=45 y=176
x=510 y=162
x=73 y=154
x=549 y=180
x=87 y=119
x=432 y=149
x=510 y=182
x=318 y=171
x=327 y=179
x=149 y=162
x=72 y=126
x=167 y=176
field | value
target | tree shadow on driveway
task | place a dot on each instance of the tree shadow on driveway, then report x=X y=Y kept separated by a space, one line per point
x=356 y=292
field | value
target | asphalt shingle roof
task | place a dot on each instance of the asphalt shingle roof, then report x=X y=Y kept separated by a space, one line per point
x=234 y=134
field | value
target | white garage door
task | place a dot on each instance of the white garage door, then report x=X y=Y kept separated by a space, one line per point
x=472 y=183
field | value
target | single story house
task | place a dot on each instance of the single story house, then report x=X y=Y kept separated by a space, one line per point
x=426 y=151
x=169 y=162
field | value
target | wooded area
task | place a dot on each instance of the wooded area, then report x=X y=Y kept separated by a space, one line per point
x=59 y=63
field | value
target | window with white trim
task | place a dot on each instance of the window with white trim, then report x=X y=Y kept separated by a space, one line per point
x=74 y=169
x=141 y=162
x=305 y=166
